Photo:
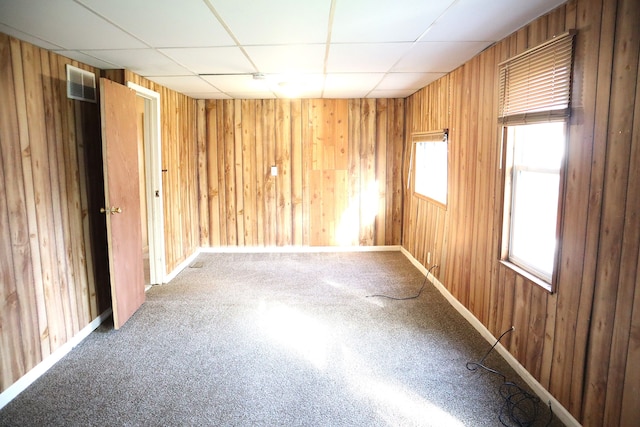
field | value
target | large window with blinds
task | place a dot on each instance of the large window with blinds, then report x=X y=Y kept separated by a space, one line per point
x=534 y=102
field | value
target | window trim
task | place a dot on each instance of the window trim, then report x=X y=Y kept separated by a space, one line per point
x=433 y=136
x=507 y=167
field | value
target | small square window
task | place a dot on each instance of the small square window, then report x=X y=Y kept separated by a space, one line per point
x=430 y=160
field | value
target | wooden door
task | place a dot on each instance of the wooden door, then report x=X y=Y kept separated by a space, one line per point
x=122 y=199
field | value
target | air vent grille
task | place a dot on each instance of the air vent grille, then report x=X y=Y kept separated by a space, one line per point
x=81 y=84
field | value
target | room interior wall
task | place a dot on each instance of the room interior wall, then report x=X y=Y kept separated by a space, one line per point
x=338 y=181
x=581 y=342
x=53 y=281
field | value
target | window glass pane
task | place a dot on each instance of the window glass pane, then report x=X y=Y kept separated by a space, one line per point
x=431 y=170
x=534 y=214
x=538 y=150
x=540 y=145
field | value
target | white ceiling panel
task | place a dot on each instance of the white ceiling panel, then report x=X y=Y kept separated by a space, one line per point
x=207 y=95
x=275 y=21
x=146 y=62
x=373 y=48
x=475 y=20
x=410 y=81
x=184 y=83
x=308 y=58
x=65 y=24
x=398 y=93
x=238 y=83
x=27 y=37
x=211 y=60
x=360 y=83
x=165 y=23
x=438 y=57
x=365 y=21
x=87 y=59
x=375 y=57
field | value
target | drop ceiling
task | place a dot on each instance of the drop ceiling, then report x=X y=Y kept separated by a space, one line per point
x=222 y=49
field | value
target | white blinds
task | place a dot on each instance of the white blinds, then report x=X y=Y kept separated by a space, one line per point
x=536 y=85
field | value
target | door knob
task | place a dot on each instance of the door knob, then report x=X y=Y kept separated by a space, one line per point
x=113 y=210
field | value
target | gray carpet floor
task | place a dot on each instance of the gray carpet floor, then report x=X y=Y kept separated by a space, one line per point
x=277 y=340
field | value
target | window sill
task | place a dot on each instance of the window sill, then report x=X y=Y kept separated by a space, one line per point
x=532 y=278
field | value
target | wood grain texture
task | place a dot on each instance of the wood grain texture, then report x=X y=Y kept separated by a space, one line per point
x=327 y=190
x=50 y=283
x=577 y=341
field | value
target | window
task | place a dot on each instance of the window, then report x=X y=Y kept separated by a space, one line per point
x=430 y=159
x=534 y=108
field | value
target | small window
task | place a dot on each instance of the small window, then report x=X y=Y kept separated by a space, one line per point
x=534 y=89
x=430 y=170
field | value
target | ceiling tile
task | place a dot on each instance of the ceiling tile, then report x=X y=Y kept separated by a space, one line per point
x=359 y=84
x=275 y=21
x=397 y=93
x=358 y=21
x=87 y=59
x=369 y=57
x=438 y=57
x=211 y=60
x=252 y=95
x=184 y=83
x=165 y=23
x=238 y=83
x=412 y=81
x=64 y=24
x=308 y=58
x=27 y=37
x=474 y=20
x=207 y=95
x=146 y=62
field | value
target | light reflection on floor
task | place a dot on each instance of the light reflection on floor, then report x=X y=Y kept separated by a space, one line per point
x=311 y=340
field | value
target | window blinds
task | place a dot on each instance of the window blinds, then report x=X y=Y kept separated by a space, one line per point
x=536 y=85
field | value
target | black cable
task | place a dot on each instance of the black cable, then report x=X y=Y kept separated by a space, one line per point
x=406 y=298
x=520 y=407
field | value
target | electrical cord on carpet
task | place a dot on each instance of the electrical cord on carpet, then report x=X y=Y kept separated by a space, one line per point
x=407 y=298
x=520 y=407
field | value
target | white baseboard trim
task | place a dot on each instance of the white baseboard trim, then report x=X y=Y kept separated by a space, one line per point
x=559 y=410
x=296 y=249
x=184 y=264
x=273 y=249
x=30 y=377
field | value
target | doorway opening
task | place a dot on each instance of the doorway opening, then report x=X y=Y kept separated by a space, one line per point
x=150 y=167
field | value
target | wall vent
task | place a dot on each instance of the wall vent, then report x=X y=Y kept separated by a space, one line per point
x=81 y=84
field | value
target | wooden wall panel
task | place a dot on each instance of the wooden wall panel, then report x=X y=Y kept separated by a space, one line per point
x=53 y=241
x=339 y=178
x=577 y=341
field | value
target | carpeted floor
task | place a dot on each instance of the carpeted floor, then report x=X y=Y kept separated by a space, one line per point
x=277 y=340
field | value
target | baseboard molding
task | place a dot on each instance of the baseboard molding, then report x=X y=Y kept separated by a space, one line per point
x=184 y=264
x=273 y=249
x=30 y=377
x=296 y=249
x=559 y=410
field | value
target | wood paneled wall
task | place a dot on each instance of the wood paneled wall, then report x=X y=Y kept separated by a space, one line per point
x=338 y=179
x=583 y=342
x=53 y=278
x=180 y=167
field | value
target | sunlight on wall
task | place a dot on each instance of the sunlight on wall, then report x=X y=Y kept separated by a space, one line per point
x=297 y=331
x=361 y=212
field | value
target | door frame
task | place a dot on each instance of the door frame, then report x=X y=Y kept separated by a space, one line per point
x=153 y=180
